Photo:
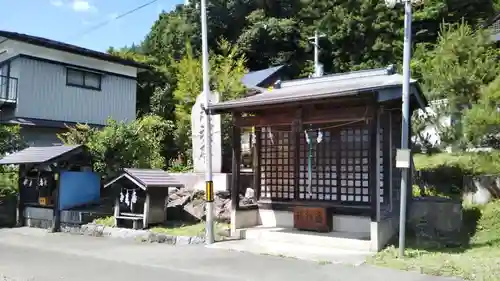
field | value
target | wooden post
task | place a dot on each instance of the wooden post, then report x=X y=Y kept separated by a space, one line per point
x=390 y=162
x=378 y=147
x=409 y=192
x=146 y=211
x=134 y=222
x=296 y=129
x=116 y=210
x=56 y=221
x=256 y=164
x=20 y=197
x=373 y=162
x=235 y=173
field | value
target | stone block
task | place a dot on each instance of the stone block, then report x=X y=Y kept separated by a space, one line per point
x=436 y=221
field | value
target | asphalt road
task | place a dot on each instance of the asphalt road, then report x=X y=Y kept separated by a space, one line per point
x=34 y=255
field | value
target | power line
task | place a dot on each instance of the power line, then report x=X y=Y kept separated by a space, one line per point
x=104 y=23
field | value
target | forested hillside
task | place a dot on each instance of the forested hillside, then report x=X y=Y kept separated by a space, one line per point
x=246 y=35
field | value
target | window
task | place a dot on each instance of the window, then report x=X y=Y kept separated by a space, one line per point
x=84 y=79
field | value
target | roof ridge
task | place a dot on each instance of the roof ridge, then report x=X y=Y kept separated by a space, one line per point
x=389 y=70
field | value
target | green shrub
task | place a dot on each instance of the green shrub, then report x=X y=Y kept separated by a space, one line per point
x=478 y=163
x=8 y=183
x=443 y=174
x=106 y=221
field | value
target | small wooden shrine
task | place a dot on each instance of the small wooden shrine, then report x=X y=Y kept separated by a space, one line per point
x=324 y=152
x=52 y=181
x=140 y=197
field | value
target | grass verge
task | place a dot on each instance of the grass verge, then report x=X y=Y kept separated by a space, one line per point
x=479 y=260
x=175 y=228
x=197 y=229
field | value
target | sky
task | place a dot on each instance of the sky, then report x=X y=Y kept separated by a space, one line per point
x=66 y=20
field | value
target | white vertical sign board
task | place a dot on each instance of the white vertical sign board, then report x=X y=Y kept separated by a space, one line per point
x=198 y=136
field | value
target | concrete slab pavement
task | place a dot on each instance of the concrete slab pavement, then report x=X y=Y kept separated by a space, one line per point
x=33 y=254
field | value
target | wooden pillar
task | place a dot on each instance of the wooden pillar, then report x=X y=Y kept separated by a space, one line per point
x=235 y=171
x=409 y=190
x=146 y=211
x=373 y=162
x=378 y=148
x=256 y=163
x=390 y=161
x=386 y=160
x=56 y=221
x=20 y=197
x=296 y=129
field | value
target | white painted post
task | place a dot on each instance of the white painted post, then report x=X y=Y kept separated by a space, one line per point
x=117 y=210
x=146 y=212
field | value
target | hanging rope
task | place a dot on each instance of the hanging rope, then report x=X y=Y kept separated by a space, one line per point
x=128 y=196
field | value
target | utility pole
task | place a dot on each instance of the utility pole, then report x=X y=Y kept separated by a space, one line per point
x=405 y=122
x=316 y=54
x=317 y=66
x=404 y=152
x=209 y=189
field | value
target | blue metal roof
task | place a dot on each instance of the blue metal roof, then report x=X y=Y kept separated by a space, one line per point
x=255 y=78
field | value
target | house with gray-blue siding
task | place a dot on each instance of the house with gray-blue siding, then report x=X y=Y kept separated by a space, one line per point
x=46 y=86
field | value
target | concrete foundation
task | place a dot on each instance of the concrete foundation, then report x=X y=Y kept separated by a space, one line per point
x=352 y=232
x=42 y=217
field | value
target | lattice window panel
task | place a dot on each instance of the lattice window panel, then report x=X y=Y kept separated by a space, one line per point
x=354 y=165
x=324 y=173
x=277 y=164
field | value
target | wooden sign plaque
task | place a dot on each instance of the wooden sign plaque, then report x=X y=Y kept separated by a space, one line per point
x=315 y=219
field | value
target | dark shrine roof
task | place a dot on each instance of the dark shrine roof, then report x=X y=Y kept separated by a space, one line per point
x=39 y=155
x=148 y=178
x=328 y=86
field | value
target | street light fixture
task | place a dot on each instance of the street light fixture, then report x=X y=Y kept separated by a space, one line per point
x=406 y=113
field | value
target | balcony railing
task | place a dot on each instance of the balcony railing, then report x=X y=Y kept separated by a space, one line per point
x=8 y=89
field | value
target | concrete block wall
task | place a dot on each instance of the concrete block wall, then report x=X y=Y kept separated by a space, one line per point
x=222 y=182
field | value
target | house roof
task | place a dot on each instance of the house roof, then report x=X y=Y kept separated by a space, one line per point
x=56 y=45
x=39 y=155
x=337 y=85
x=146 y=178
x=255 y=78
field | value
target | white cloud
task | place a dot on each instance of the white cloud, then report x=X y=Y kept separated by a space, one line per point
x=82 y=6
x=57 y=3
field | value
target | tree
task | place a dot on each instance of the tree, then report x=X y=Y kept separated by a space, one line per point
x=454 y=70
x=482 y=121
x=120 y=145
x=226 y=71
x=10 y=141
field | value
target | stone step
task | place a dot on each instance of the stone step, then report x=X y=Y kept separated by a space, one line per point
x=332 y=240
